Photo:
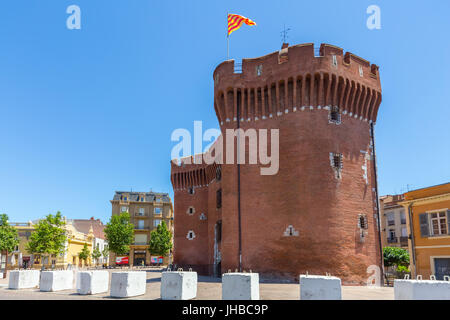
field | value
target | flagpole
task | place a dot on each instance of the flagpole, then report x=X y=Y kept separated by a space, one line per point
x=228 y=41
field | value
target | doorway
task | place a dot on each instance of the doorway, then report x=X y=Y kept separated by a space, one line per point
x=441 y=267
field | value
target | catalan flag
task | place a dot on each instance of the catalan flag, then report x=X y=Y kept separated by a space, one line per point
x=235 y=21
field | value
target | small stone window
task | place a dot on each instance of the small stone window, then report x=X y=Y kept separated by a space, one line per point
x=363 y=226
x=334 y=116
x=361 y=72
x=191 y=190
x=362 y=221
x=336 y=164
x=259 y=70
x=290 y=232
x=334 y=61
x=190 y=235
x=218 y=174
x=190 y=211
x=219 y=199
x=202 y=216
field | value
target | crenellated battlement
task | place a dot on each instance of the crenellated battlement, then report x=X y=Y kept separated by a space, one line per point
x=297 y=77
x=186 y=173
x=305 y=53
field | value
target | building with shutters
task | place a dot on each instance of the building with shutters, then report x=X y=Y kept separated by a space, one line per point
x=394 y=232
x=428 y=223
x=147 y=210
x=319 y=212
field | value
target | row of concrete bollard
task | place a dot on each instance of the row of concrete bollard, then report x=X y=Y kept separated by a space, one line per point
x=182 y=285
x=175 y=285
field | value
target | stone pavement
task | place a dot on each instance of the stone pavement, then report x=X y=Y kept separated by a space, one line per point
x=208 y=289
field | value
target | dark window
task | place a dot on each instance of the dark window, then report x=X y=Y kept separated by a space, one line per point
x=335 y=115
x=218 y=173
x=337 y=163
x=219 y=198
x=362 y=222
x=191 y=190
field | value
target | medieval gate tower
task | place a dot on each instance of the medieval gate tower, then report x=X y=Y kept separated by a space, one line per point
x=318 y=214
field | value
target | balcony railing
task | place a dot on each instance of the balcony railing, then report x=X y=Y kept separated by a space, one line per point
x=391 y=222
x=139 y=214
x=403 y=221
x=404 y=240
x=392 y=240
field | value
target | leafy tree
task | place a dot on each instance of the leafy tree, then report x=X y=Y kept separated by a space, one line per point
x=84 y=253
x=119 y=233
x=105 y=252
x=96 y=254
x=394 y=256
x=8 y=235
x=160 y=240
x=49 y=237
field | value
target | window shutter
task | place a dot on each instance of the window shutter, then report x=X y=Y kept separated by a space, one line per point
x=448 y=221
x=424 y=229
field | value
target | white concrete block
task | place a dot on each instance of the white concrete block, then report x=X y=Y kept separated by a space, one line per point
x=92 y=282
x=421 y=290
x=128 y=284
x=56 y=280
x=240 y=286
x=178 y=285
x=24 y=279
x=320 y=288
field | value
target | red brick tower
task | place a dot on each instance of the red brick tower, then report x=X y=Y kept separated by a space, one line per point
x=318 y=214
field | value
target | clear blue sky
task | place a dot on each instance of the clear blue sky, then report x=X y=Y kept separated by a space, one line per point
x=87 y=112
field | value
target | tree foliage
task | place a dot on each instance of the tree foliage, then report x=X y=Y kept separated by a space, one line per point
x=96 y=254
x=8 y=235
x=119 y=233
x=84 y=253
x=105 y=252
x=160 y=240
x=394 y=256
x=49 y=236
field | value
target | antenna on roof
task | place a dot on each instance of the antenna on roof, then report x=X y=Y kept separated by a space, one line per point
x=284 y=33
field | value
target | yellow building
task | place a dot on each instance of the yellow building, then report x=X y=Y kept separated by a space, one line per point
x=428 y=223
x=21 y=258
x=75 y=243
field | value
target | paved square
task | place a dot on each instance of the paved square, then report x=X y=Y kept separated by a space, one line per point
x=208 y=289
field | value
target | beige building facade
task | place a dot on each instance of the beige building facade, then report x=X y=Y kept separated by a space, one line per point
x=147 y=210
x=394 y=232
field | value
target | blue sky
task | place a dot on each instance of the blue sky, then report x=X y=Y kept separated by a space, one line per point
x=86 y=112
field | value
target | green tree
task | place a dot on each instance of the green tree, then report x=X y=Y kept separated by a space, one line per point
x=8 y=235
x=84 y=253
x=49 y=237
x=160 y=240
x=394 y=256
x=96 y=254
x=119 y=233
x=105 y=253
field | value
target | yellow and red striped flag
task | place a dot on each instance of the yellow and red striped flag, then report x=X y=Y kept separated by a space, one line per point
x=235 y=21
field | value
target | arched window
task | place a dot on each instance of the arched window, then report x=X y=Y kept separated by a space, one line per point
x=190 y=235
